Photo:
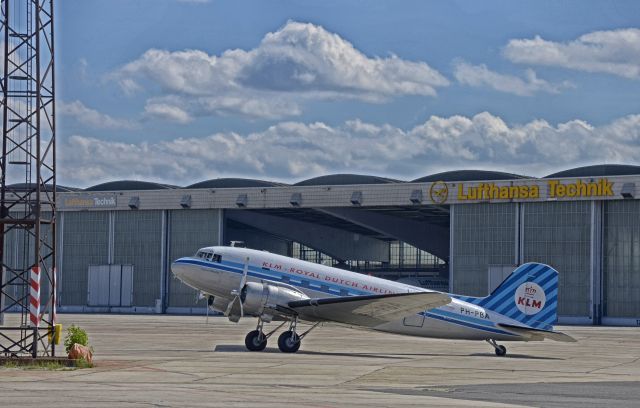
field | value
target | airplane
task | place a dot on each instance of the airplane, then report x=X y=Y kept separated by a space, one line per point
x=242 y=282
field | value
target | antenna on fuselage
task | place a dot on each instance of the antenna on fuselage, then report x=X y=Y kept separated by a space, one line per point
x=210 y=299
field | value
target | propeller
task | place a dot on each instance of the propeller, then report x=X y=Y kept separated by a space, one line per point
x=235 y=310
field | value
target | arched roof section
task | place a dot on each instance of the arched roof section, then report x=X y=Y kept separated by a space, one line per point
x=468 y=175
x=234 y=183
x=345 y=179
x=599 y=170
x=127 y=185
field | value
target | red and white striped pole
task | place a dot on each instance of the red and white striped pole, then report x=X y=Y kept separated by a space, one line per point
x=34 y=297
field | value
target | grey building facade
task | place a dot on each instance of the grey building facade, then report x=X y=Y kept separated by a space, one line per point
x=451 y=231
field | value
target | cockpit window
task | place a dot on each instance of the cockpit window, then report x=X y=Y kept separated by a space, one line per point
x=209 y=256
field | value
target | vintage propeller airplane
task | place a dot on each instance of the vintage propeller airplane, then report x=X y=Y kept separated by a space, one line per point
x=241 y=282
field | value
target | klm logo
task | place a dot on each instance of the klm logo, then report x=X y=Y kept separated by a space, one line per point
x=528 y=302
x=530 y=298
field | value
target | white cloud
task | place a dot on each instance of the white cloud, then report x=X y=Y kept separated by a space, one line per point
x=167 y=112
x=296 y=63
x=480 y=75
x=92 y=117
x=614 y=52
x=291 y=151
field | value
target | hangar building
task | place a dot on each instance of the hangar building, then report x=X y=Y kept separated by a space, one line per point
x=459 y=231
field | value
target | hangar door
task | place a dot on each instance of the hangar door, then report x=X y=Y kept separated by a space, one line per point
x=497 y=274
x=110 y=285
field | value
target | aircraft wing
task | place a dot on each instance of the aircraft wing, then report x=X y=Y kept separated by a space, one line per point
x=538 y=334
x=368 y=310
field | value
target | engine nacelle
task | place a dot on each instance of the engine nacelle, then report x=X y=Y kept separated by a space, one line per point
x=256 y=297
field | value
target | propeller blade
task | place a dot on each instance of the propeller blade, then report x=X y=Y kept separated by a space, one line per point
x=235 y=309
x=245 y=271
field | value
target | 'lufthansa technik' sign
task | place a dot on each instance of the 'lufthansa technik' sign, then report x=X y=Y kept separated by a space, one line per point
x=90 y=201
x=548 y=189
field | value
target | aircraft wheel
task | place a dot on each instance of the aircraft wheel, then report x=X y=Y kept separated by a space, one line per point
x=289 y=342
x=255 y=341
x=501 y=350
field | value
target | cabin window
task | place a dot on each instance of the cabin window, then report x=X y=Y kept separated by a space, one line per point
x=209 y=255
x=200 y=254
x=217 y=258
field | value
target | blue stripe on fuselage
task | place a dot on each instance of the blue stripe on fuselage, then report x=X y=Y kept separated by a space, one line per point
x=437 y=316
x=256 y=272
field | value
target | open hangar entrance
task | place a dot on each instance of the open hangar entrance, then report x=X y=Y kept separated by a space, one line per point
x=408 y=243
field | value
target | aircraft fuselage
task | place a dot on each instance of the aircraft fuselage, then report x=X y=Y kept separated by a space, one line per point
x=221 y=275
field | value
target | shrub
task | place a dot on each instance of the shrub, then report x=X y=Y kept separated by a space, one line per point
x=75 y=335
x=82 y=363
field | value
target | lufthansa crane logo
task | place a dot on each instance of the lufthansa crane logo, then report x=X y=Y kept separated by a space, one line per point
x=439 y=192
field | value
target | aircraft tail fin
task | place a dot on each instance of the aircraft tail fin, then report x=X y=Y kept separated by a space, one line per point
x=529 y=295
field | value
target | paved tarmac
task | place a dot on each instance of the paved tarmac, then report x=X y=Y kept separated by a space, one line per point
x=180 y=361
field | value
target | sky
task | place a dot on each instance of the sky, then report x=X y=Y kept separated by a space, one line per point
x=180 y=91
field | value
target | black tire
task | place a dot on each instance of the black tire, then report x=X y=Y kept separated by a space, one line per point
x=255 y=341
x=501 y=351
x=289 y=342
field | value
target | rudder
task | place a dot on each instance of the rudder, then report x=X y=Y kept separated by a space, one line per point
x=529 y=295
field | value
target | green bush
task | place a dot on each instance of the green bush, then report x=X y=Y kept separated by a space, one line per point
x=82 y=363
x=75 y=335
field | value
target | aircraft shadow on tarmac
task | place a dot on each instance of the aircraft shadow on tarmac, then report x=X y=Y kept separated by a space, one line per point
x=236 y=348
x=516 y=356
x=233 y=348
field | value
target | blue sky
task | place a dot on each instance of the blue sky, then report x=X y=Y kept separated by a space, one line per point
x=182 y=91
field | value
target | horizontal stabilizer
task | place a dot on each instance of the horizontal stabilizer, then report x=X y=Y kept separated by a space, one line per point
x=368 y=310
x=538 y=334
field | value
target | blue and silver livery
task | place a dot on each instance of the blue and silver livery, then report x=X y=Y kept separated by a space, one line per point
x=244 y=282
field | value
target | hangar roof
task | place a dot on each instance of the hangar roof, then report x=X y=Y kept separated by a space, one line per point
x=125 y=185
x=345 y=179
x=599 y=170
x=352 y=179
x=468 y=175
x=233 y=183
x=28 y=186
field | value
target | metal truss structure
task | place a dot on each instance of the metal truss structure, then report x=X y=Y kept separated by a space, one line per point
x=27 y=179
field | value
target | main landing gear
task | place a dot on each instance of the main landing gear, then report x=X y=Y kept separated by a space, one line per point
x=500 y=350
x=288 y=342
x=256 y=340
